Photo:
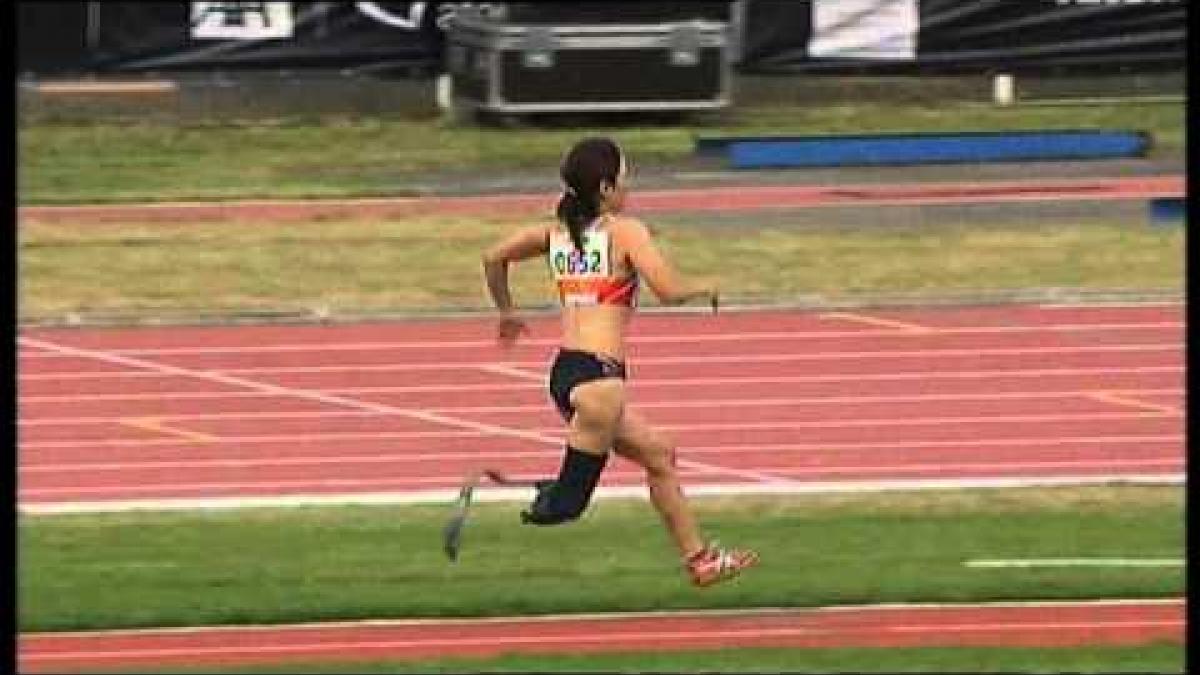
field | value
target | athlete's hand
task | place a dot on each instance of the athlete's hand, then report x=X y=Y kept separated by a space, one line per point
x=509 y=329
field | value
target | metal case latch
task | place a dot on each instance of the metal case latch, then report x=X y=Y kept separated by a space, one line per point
x=537 y=48
x=683 y=46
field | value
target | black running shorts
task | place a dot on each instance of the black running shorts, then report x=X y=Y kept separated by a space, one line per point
x=573 y=367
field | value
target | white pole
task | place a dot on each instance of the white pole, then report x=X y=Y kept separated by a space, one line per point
x=1003 y=90
x=443 y=92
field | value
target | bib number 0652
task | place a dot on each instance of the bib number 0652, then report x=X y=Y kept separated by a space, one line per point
x=577 y=262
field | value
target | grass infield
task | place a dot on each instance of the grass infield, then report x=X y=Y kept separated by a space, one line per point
x=68 y=164
x=1152 y=658
x=433 y=263
x=315 y=564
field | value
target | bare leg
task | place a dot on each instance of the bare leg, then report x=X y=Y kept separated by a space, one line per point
x=638 y=441
x=598 y=411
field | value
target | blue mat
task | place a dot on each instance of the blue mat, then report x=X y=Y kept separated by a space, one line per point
x=928 y=148
x=1167 y=210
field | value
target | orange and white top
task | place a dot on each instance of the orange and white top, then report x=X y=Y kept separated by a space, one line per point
x=585 y=278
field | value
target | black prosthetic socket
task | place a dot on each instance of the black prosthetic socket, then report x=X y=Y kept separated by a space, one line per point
x=565 y=499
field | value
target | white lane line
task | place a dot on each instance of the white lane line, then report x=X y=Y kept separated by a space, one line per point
x=646 y=361
x=668 y=404
x=1074 y=562
x=340 y=401
x=902 y=326
x=738 y=612
x=443 y=495
x=397 y=458
x=540 y=433
x=617 y=475
x=738 y=337
x=513 y=372
x=651 y=637
x=458 y=423
x=156 y=424
x=1038 y=626
x=639 y=383
x=1128 y=400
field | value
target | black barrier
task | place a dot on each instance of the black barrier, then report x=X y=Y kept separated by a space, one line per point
x=773 y=36
x=52 y=37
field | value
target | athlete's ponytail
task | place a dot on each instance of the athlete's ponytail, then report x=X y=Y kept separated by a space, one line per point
x=591 y=162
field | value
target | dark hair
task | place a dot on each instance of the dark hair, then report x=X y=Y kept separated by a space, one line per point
x=590 y=162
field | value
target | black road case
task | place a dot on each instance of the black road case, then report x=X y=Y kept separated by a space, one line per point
x=516 y=63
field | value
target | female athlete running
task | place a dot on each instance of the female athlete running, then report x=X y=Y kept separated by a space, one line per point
x=597 y=257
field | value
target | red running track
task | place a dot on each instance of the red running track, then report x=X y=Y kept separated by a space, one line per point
x=1029 y=624
x=712 y=198
x=764 y=401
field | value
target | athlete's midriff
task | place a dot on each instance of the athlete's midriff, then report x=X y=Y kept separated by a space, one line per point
x=599 y=329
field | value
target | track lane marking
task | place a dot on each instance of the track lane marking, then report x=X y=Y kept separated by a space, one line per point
x=372 y=458
x=649 y=360
x=497 y=369
x=156 y=424
x=902 y=326
x=467 y=431
x=639 y=383
x=448 y=494
x=701 y=613
x=791 y=471
x=733 y=336
x=629 y=638
x=445 y=420
x=668 y=404
x=1122 y=399
x=1073 y=562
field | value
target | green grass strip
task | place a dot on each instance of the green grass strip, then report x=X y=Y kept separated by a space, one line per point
x=433 y=263
x=1152 y=658
x=101 y=163
x=313 y=564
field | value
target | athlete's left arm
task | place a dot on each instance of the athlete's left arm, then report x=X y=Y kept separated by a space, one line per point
x=523 y=244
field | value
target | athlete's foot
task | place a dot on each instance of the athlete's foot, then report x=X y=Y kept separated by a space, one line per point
x=711 y=564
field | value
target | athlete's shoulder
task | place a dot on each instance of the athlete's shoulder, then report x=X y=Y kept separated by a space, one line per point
x=630 y=231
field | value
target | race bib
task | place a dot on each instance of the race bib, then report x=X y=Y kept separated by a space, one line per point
x=567 y=262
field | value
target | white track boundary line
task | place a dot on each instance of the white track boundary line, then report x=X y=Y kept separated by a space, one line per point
x=641 y=362
x=637 y=384
x=800 y=472
x=447 y=495
x=446 y=420
x=738 y=337
x=618 y=616
x=467 y=432
x=658 y=637
x=396 y=458
x=669 y=404
x=1074 y=562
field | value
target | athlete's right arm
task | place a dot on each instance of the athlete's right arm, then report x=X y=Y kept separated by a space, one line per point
x=671 y=287
x=523 y=244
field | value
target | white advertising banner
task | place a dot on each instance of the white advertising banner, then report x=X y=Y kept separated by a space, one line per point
x=864 y=29
x=242 y=20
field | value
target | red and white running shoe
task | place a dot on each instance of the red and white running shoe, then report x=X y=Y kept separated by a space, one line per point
x=711 y=564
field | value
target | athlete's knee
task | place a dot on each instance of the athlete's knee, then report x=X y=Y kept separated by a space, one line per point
x=662 y=461
x=565 y=499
